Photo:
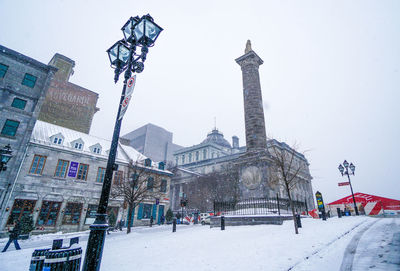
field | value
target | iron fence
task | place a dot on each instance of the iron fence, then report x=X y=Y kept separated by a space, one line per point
x=259 y=206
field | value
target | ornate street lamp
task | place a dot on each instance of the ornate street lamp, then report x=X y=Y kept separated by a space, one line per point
x=345 y=171
x=5 y=156
x=138 y=32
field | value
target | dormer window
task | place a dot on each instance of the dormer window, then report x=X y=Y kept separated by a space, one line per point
x=57 y=139
x=96 y=148
x=77 y=144
x=147 y=162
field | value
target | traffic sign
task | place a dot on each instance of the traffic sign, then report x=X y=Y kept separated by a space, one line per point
x=343 y=184
x=130 y=85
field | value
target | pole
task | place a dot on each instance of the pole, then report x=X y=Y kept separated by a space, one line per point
x=95 y=245
x=351 y=188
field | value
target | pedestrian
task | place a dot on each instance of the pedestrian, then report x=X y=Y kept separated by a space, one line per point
x=162 y=219
x=14 y=233
x=151 y=221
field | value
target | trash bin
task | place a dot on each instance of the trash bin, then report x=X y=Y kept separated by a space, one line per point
x=298 y=221
x=37 y=260
x=63 y=259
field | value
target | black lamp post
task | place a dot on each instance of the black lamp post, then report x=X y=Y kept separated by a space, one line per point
x=138 y=32
x=344 y=170
x=5 y=156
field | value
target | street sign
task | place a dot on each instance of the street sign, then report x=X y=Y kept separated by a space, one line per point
x=343 y=184
x=130 y=85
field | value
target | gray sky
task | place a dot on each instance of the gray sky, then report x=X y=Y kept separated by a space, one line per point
x=330 y=79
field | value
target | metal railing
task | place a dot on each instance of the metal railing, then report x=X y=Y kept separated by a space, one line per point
x=259 y=206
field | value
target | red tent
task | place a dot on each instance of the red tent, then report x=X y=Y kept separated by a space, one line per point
x=372 y=205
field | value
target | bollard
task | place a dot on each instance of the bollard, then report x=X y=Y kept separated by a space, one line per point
x=222 y=223
x=339 y=212
x=174 y=225
x=298 y=221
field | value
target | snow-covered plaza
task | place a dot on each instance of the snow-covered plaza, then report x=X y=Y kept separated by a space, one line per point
x=364 y=243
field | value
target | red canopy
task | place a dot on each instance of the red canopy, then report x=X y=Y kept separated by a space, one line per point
x=386 y=203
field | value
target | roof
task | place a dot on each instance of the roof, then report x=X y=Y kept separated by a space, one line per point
x=43 y=132
x=365 y=198
x=218 y=138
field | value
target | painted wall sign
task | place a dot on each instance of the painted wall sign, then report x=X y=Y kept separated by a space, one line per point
x=73 y=169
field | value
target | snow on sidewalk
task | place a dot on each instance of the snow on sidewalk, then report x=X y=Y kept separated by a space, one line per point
x=263 y=247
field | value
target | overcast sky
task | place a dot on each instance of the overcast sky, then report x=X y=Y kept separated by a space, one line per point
x=330 y=79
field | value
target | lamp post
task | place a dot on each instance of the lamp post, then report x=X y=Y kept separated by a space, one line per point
x=5 y=156
x=344 y=170
x=138 y=32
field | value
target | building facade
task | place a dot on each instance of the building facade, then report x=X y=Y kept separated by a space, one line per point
x=23 y=86
x=152 y=141
x=67 y=104
x=61 y=178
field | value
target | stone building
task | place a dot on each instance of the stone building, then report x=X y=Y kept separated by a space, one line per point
x=23 y=86
x=152 y=141
x=61 y=177
x=68 y=104
x=249 y=168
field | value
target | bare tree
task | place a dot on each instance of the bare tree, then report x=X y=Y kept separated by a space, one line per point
x=285 y=170
x=219 y=185
x=141 y=183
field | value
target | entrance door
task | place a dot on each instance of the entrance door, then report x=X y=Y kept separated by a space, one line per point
x=160 y=213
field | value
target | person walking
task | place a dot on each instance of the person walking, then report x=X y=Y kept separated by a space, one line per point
x=14 y=233
x=151 y=221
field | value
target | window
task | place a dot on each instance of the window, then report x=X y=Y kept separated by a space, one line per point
x=61 y=169
x=183 y=159
x=204 y=154
x=38 y=163
x=78 y=146
x=118 y=175
x=96 y=150
x=10 y=128
x=190 y=157
x=57 y=140
x=101 y=172
x=82 y=172
x=176 y=160
x=146 y=210
x=197 y=156
x=150 y=184
x=3 y=70
x=163 y=187
x=20 y=208
x=147 y=162
x=19 y=103
x=48 y=213
x=161 y=165
x=29 y=80
x=72 y=213
x=135 y=179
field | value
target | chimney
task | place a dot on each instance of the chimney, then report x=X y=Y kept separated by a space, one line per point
x=235 y=142
x=64 y=65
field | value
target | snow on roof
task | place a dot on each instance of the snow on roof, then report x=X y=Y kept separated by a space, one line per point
x=43 y=131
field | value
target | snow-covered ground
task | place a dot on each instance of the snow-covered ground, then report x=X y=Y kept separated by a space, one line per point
x=319 y=246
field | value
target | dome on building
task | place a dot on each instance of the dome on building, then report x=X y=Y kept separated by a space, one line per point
x=217 y=138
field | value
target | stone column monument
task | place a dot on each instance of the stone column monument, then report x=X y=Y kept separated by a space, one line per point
x=253 y=106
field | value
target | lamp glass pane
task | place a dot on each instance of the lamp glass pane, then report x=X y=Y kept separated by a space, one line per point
x=345 y=164
x=139 y=30
x=151 y=30
x=123 y=53
x=127 y=30
x=113 y=53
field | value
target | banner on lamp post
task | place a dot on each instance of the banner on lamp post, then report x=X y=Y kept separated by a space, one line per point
x=130 y=85
x=343 y=184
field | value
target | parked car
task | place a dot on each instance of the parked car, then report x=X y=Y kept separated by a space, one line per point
x=205 y=220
